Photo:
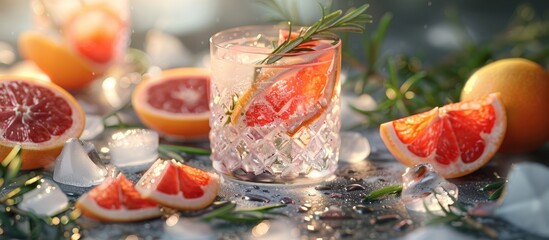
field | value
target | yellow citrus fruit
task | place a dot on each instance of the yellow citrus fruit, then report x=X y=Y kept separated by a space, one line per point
x=39 y=116
x=175 y=103
x=457 y=139
x=63 y=67
x=524 y=89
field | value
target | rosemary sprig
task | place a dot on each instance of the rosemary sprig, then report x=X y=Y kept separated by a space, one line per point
x=174 y=151
x=230 y=213
x=383 y=192
x=20 y=224
x=494 y=189
x=324 y=28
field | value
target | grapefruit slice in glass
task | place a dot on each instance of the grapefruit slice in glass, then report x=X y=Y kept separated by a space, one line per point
x=175 y=103
x=457 y=139
x=178 y=186
x=116 y=200
x=38 y=115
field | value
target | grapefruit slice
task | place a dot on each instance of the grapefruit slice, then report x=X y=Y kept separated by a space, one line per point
x=176 y=103
x=457 y=139
x=295 y=97
x=95 y=31
x=178 y=186
x=116 y=200
x=39 y=116
x=62 y=66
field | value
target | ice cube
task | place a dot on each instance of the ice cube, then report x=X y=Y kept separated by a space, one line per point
x=75 y=167
x=184 y=229
x=424 y=188
x=46 y=199
x=134 y=149
x=436 y=232
x=94 y=127
x=354 y=147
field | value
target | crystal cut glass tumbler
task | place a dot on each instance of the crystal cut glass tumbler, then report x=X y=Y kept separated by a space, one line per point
x=274 y=118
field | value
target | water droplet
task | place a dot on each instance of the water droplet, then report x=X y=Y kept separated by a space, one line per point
x=248 y=190
x=256 y=187
x=333 y=213
x=354 y=187
x=287 y=200
x=402 y=225
x=302 y=209
x=265 y=191
x=362 y=209
x=308 y=218
x=237 y=195
x=355 y=179
x=307 y=205
x=255 y=198
x=336 y=195
x=382 y=219
x=312 y=228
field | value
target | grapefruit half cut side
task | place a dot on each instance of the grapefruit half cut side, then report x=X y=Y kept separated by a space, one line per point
x=38 y=115
x=178 y=186
x=175 y=103
x=457 y=139
x=116 y=200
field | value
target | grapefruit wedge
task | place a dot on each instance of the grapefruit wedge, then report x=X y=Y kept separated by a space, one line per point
x=116 y=200
x=175 y=103
x=39 y=116
x=457 y=139
x=178 y=186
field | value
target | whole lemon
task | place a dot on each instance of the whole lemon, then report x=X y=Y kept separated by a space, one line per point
x=524 y=89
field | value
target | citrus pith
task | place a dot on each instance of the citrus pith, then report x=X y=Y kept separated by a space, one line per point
x=524 y=89
x=175 y=103
x=457 y=139
x=38 y=115
x=178 y=186
x=116 y=200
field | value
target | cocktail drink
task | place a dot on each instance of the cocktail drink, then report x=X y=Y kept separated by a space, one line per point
x=74 y=42
x=274 y=117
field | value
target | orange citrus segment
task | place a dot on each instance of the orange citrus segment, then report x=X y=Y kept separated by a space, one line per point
x=178 y=186
x=456 y=139
x=175 y=103
x=38 y=115
x=63 y=67
x=116 y=200
x=95 y=31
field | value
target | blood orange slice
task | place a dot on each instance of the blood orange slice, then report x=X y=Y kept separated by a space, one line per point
x=457 y=139
x=175 y=103
x=116 y=200
x=95 y=31
x=178 y=186
x=295 y=97
x=39 y=116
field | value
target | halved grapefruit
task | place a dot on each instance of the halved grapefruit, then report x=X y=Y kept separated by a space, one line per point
x=39 y=116
x=178 y=186
x=175 y=103
x=116 y=200
x=457 y=139
x=95 y=32
x=62 y=66
x=278 y=95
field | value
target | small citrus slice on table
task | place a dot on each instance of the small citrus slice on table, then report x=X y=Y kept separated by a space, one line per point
x=39 y=116
x=178 y=186
x=95 y=32
x=295 y=97
x=175 y=103
x=62 y=66
x=116 y=200
x=457 y=139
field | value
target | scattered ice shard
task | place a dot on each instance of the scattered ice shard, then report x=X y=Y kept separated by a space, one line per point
x=354 y=147
x=177 y=228
x=525 y=200
x=46 y=199
x=79 y=165
x=134 y=148
x=423 y=187
x=440 y=231
x=94 y=127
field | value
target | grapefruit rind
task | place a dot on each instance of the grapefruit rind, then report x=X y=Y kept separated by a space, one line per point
x=180 y=126
x=91 y=209
x=38 y=155
x=492 y=141
x=148 y=184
